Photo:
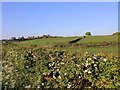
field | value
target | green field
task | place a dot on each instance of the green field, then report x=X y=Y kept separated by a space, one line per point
x=51 y=41
x=46 y=41
x=97 y=39
x=92 y=40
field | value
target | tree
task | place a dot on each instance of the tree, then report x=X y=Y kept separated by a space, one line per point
x=21 y=38
x=13 y=38
x=116 y=33
x=88 y=33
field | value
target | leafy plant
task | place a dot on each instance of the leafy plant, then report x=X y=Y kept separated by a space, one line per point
x=46 y=68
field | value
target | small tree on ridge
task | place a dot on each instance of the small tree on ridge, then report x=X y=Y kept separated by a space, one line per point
x=88 y=33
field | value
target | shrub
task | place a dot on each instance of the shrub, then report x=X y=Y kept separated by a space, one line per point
x=44 y=68
x=116 y=33
x=88 y=33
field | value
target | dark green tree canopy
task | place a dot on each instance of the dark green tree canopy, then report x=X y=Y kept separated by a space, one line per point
x=88 y=33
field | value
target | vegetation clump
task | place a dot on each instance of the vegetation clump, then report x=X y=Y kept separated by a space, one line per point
x=88 y=33
x=116 y=33
x=45 y=68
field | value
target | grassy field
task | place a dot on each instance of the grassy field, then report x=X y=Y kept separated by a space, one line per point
x=92 y=40
x=98 y=39
x=46 y=41
x=51 y=41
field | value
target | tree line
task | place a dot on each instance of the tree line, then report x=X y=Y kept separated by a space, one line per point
x=32 y=37
x=22 y=38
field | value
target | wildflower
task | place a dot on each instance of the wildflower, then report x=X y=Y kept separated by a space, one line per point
x=59 y=77
x=95 y=65
x=83 y=64
x=65 y=56
x=78 y=65
x=29 y=86
x=104 y=59
x=89 y=59
x=89 y=71
x=50 y=65
x=44 y=73
x=42 y=84
x=79 y=77
x=34 y=56
x=94 y=58
x=86 y=61
x=93 y=62
x=6 y=83
x=57 y=69
x=69 y=85
x=38 y=86
x=54 y=77
x=86 y=52
x=86 y=64
x=65 y=74
x=53 y=63
x=73 y=57
x=62 y=63
x=86 y=71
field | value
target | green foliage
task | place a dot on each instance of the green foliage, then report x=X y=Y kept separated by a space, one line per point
x=13 y=38
x=46 y=68
x=116 y=33
x=88 y=33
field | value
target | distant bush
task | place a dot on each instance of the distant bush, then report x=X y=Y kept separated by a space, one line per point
x=116 y=33
x=13 y=38
x=88 y=33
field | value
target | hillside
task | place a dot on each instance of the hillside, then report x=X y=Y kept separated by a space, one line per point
x=93 y=44
x=52 y=41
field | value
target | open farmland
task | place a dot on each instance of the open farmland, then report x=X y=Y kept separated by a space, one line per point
x=92 y=62
x=87 y=40
x=93 y=44
x=59 y=45
x=97 y=39
x=46 y=41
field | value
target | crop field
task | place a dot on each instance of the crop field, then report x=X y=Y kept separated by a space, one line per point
x=90 y=63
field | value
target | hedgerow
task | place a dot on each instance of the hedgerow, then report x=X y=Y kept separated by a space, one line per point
x=45 y=68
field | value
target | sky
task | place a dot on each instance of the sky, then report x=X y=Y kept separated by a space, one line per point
x=60 y=0
x=58 y=18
